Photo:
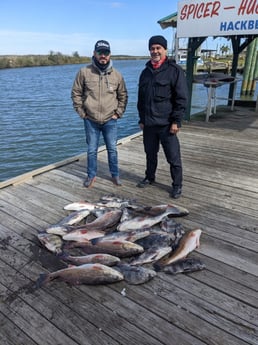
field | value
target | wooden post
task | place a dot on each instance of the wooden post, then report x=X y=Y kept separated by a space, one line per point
x=193 y=44
x=247 y=68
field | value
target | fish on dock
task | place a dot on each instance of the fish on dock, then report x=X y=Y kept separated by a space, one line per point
x=80 y=205
x=90 y=274
x=62 y=227
x=57 y=229
x=132 y=236
x=118 y=202
x=105 y=221
x=118 y=248
x=135 y=275
x=186 y=265
x=100 y=258
x=147 y=220
x=83 y=234
x=189 y=242
x=151 y=255
x=52 y=242
x=74 y=217
x=157 y=210
x=155 y=239
x=114 y=238
x=104 y=202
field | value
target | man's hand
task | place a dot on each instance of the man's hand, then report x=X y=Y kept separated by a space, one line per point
x=174 y=129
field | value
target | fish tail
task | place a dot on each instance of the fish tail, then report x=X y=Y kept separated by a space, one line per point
x=42 y=280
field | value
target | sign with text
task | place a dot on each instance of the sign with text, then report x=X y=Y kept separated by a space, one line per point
x=217 y=18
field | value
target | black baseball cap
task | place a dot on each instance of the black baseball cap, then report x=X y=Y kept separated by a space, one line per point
x=102 y=45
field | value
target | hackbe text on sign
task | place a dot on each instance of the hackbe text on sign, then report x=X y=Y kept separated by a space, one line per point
x=217 y=18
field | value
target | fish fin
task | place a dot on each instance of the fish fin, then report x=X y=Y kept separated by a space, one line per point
x=94 y=241
x=42 y=280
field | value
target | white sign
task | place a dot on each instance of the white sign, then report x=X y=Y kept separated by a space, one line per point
x=217 y=18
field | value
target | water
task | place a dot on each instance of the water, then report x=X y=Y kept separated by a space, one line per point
x=38 y=123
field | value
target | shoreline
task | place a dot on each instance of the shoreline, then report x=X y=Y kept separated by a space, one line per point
x=58 y=59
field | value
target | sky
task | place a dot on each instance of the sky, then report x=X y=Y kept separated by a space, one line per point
x=65 y=26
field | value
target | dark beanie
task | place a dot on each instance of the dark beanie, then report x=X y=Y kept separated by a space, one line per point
x=158 y=40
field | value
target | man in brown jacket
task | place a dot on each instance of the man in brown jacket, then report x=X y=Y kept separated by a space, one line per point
x=100 y=96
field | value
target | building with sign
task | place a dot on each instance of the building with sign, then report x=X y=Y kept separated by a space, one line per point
x=236 y=20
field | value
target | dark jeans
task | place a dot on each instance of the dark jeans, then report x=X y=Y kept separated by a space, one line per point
x=152 y=138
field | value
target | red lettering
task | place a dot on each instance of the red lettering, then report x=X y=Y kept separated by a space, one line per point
x=248 y=7
x=252 y=7
x=183 y=12
x=206 y=12
x=215 y=8
x=200 y=10
x=203 y=9
x=242 y=7
x=191 y=10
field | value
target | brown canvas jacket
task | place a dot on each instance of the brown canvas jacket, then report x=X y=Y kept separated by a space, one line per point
x=98 y=96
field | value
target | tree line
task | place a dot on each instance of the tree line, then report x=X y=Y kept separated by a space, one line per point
x=52 y=59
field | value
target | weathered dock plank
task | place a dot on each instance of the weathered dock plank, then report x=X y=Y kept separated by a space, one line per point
x=212 y=307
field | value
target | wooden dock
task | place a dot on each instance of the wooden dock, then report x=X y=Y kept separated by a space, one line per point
x=216 y=306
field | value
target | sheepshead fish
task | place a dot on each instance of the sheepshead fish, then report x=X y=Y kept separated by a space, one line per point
x=100 y=258
x=132 y=236
x=189 y=242
x=150 y=255
x=155 y=239
x=148 y=221
x=82 y=235
x=170 y=225
x=135 y=274
x=90 y=274
x=52 y=242
x=184 y=266
x=117 y=248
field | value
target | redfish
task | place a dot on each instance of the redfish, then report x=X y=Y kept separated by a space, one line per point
x=100 y=258
x=90 y=274
x=189 y=242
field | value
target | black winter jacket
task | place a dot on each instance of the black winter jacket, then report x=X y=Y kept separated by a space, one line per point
x=162 y=95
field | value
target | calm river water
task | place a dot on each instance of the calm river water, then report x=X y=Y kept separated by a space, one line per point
x=37 y=120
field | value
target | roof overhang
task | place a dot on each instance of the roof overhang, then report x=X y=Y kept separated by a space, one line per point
x=169 y=21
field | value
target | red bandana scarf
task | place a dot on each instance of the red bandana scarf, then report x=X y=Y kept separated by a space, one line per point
x=157 y=64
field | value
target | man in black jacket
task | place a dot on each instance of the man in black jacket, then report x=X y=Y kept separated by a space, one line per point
x=162 y=102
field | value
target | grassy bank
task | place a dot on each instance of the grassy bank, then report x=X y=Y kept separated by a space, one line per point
x=53 y=59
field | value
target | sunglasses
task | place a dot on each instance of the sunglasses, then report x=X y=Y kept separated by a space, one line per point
x=103 y=52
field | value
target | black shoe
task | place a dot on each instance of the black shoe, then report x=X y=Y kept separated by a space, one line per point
x=176 y=192
x=144 y=183
x=88 y=183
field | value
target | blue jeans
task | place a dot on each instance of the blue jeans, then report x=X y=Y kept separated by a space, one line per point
x=109 y=132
